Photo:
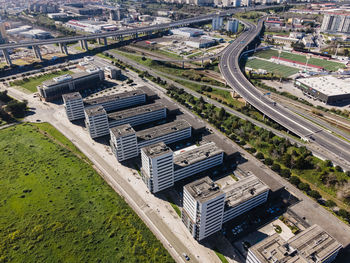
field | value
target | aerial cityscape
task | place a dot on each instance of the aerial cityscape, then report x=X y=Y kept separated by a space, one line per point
x=207 y=131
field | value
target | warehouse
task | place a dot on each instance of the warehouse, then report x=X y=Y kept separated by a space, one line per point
x=200 y=42
x=187 y=32
x=328 y=89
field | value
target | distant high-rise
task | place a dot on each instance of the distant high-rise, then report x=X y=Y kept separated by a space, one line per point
x=336 y=23
x=232 y=25
x=217 y=23
x=3 y=36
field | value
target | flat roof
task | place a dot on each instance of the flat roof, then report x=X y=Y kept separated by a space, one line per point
x=156 y=149
x=95 y=110
x=52 y=82
x=194 y=154
x=113 y=97
x=311 y=245
x=71 y=96
x=203 y=189
x=161 y=130
x=118 y=115
x=328 y=85
x=245 y=189
x=122 y=130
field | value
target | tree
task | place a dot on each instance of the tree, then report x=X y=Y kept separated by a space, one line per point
x=221 y=113
x=260 y=155
x=268 y=161
x=314 y=194
x=294 y=180
x=330 y=203
x=276 y=167
x=285 y=173
x=328 y=163
x=304 y=187
x=16 y=108
x=343 y=213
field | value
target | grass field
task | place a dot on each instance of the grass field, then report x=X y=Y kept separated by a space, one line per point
x=282 y=70
x=328 y=65
x=55 y=208
x=33 y=82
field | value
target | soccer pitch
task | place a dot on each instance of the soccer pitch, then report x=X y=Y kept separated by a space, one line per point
x=328 y=65
x=277 y=69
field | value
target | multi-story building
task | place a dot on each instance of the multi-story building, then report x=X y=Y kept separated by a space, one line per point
x=96 y=121
x=312 y=245
x=244 y=195
x=196 y=159
x=190 y=2
x=167 y=133
x=157 y=167
x=217 y=23
x=227 y=3
x=203 y=208
x=74 y=106
x=138 y=115
x=56 y=87
x=124 y=142
x=232 y=25
x=336 y=23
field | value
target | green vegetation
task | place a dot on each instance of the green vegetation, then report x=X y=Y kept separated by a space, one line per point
x=278 y=229
x=220 y=256
x=11 y=109
x=328 y=65
x=31 y=83
x=277 y=69
x=55 y=207
x=174 y=206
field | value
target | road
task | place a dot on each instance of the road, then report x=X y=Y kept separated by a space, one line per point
x=230 y=69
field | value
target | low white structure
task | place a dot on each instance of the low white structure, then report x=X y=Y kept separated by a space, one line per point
x=187 y=32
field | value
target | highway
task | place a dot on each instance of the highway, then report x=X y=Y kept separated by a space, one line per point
x=230 y=69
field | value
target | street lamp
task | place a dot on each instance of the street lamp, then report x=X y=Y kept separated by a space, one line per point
x=279 y=55
x=307 y=60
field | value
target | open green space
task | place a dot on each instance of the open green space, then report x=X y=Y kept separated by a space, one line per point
x=220 y=256
x=328 y=65
x=54 y=206
x=31 y=83
x=277 y=69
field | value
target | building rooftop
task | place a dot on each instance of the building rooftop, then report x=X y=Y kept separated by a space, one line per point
x=194 y=154
x=113 y=97
x=118 y=115
x=312 y=245
x=203 y=189
x=71 y=96
x=65 y=78
x=245 y=189
x=161 y=130
x=155 y=150
x=328 y=85
x=122 y=130
x=95 y=110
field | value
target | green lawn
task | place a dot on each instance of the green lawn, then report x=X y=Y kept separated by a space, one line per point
x=328 y=65
x=33 y=82
x=220 y=256
x=282 y=70
x=55 y=208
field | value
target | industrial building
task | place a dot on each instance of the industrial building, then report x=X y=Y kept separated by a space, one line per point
x=187 y=32
x=328 y=89
x=203 y=208
x=56 y=87
x=74 y=106
x=336 y=23
x=96 y=121
x=200 y=42
x=232 y=26
x=185 y=163
x=122 y=144
x=312 y=245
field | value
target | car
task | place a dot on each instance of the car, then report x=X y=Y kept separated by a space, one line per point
x=186 y=257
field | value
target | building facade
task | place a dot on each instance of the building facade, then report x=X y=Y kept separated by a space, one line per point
x=336 y=23
x=96 y=121
x=74 y=106
x=124 y=142
x=217 y=23
x=232 y=26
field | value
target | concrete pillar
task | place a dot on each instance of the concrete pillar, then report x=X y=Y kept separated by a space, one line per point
x=81 y=42
x=63 y=48
x=99 y=41
x=105 y=41
x=202 y=63
x=7 y=57
x=37 y=52
x=86 y=46
x=183 y=64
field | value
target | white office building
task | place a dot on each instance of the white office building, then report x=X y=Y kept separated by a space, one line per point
x=138 y=115
x=74 y=106
x=124 y=142
x=217 y=23
x=96 y=121
x=203 y=208
x=187 y=32
x=157 y=167
x=232 y=25
x=196 y=159
x=244 y=195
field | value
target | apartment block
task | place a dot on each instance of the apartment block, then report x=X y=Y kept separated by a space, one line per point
x=336 y=23
x=74 y=106
x=96 y=121
x=203 y=208
x=157 y=167
x=313 y=245
x=124 y=142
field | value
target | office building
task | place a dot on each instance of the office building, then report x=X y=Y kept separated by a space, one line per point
x=244 y=195
x=54 y=89
x=96 y=121
x=167 y=133
x=313 y=245
x=217 y=23
x=157 y=167
x=336 y=23
x=138 y=115
x=118 y=101
x=74 y=106
x=187 y=32
x=328 y=89
x=232 y=26
x=3 y=35
x=227 y=3
x=203 y=208
x=196 y=159
x=124 y=142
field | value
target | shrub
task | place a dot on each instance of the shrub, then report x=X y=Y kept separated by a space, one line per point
x=314 y=194
x=304 y=187
x=276 y=167
x=260 y=155
x=285 y=173
x=343 y=213
x=330 y=203
x=268 y=161
x=294 y=180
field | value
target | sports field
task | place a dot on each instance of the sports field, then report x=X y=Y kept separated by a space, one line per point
x=277 y=69
x=328 y=65
x=54 y=207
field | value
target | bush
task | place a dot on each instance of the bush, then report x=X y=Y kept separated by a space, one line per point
x=314 y=194
x=268 y=161
x=343 y=213
x=276 y=167
x=330 y=203
x=294 y=180
x=328 y=163
x=260 y=155
x=285 y=173
x=338 y=168
x=304 y=187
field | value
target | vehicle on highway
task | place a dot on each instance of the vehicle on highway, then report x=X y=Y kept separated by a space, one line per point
x=186 y=256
